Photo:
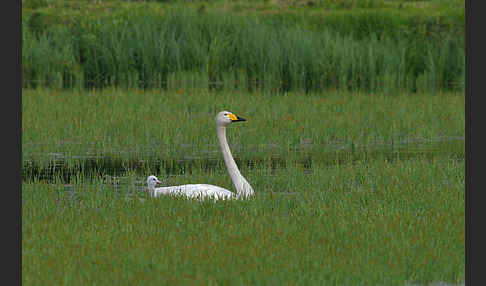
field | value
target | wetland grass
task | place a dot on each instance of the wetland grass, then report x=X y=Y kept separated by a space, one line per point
x=354 y=142
x=319 y=216
x=142 y=48
x=136 y=129
x=372 y=222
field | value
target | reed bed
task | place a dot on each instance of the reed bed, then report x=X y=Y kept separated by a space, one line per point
x=226 y=51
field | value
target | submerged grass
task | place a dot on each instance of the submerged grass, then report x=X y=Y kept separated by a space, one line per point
x=372 y=222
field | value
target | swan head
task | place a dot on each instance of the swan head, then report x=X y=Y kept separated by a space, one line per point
x=152 y=181
x=224 y=118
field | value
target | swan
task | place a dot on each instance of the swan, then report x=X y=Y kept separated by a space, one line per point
x=193 y=191
x=202 y=191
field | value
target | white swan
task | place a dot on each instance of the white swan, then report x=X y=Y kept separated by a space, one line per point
x=193 y=191
x=202 y=191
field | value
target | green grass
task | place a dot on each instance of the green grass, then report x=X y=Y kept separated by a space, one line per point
x=369 y=223
x=335 y=203
x=147 y=45
x=167 y=126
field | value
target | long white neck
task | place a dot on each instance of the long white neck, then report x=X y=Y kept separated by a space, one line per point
x=242 y=186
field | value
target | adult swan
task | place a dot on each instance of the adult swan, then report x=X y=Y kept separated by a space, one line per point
x=202 y=191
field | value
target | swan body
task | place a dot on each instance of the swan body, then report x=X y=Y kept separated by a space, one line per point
x=202 y=191
x=193 y=191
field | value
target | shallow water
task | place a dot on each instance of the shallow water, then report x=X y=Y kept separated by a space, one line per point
x=307 y=155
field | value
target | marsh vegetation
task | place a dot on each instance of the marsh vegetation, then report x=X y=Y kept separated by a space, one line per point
x=354 y=142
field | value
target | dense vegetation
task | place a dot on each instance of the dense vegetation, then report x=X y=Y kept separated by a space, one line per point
x=312 y=47
x=350 y=189
x=369 y=223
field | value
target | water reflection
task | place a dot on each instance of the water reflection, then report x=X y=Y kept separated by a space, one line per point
x=307 y=157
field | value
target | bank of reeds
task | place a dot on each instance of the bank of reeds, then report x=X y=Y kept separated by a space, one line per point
x=187 y=49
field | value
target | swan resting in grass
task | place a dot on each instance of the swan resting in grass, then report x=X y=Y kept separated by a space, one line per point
x=203 y=191
x=193 y=191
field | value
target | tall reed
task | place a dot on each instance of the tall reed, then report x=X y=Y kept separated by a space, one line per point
x=140 y=49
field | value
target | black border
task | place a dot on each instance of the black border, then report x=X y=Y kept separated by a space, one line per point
x=468 y=127
x=13 y=93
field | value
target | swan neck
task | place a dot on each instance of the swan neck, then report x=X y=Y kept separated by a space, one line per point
x=240 y=183
x=228 y=157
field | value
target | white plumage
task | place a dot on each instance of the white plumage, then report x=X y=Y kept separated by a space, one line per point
x=195 y=191
x=203 y=191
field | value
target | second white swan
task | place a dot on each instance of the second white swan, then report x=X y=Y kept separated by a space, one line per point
x=202 y=191
x=193 y=191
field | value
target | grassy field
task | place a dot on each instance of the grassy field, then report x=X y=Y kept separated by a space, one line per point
x=368 y=223
x=342 y=208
